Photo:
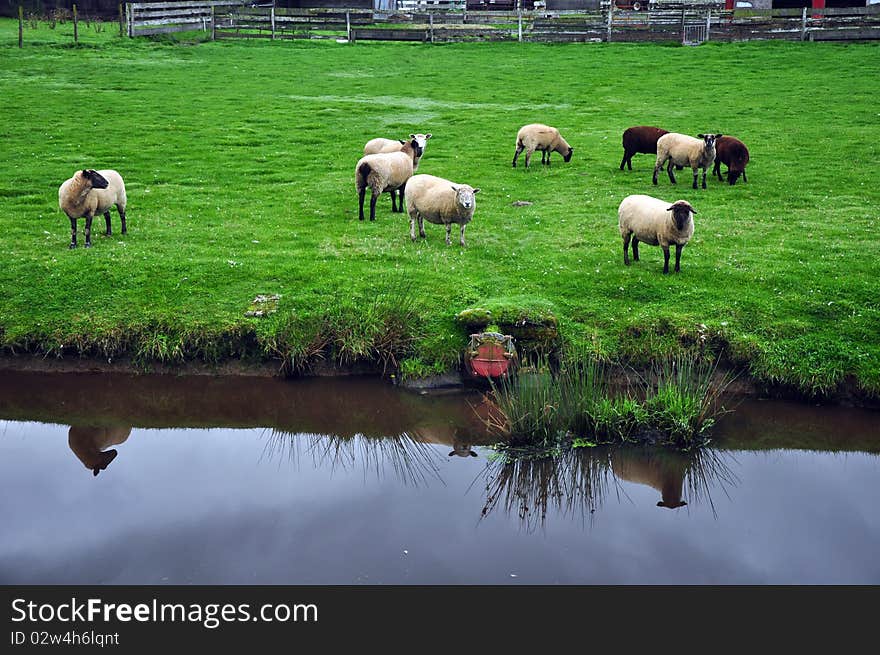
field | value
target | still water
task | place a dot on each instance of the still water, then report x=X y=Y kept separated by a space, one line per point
x=349 y=481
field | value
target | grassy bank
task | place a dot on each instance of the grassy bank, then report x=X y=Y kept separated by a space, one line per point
x=239 y=158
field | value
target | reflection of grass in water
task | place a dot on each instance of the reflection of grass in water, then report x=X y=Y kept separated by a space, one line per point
x=411 y=461
x=576 y=482
x=573 y=483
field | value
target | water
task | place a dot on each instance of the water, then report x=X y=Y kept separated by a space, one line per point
x=349 y=481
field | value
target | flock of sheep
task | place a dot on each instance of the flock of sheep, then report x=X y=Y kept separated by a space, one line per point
x=391 y=165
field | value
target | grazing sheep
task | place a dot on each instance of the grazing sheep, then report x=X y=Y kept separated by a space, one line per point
x=656 y=222
x=684 y=150
x=541 y=137
x=732 y=153
x=439 y=201
x=90 y=192
x=379 y=145
x=640 y=139
x=388 y=171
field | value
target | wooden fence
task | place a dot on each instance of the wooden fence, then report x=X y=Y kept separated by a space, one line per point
x=686 y=23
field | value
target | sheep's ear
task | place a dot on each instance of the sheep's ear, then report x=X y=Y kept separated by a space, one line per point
x=86 y=173
x=476 y=191
x=718 y=136
x=453 y=187
x=669 y=209
x=473 y=454
x=428 y=136
x=693 y=211
x=402 y=142
x=412 y=136
x=701 y=136
x=451 y=454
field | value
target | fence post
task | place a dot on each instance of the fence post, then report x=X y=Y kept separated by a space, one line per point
x=682 y=25
x=272 y=19
x=708 y=23
x=519 y=23
x=431 y=23
x=348 y=25
x=610 y=19
x=75 y=26
x=20 y=24
x=121 y=23
x=213 y=25
x=804 y=25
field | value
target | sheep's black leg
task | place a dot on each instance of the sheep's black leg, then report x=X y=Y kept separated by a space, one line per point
x=665 y=259
x=72 y=233
x=122 y=219
x=671 y=174
x=744 y=176
x=626 y=249
x=519 y=149
x=623 y=161
x=88 y=231
x=678 y=248
x=361 y=195
x=717 y=171
x=635 y=245
x=629 y=160
x=656 y=170
x=402 y=195
x=107 y=220
x=704 y=179
x=373 y=198
x=393 y=200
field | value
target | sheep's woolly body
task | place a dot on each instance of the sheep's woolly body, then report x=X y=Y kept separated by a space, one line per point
x=537 y=136
x=639 y=139
x=384 y=172
x=436 y=200
x=649 y=220
x=683 y=150
x=734 y=154
x=78 y=198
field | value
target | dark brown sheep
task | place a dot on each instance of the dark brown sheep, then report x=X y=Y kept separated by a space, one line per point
x=732 y=153
x=639 y=139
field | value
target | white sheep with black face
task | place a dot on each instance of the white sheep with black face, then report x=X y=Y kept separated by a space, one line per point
x=90 y=192
x=380 y=145
x=683 y=150
x=657 y=223
x=439 y=201
x=387 y=171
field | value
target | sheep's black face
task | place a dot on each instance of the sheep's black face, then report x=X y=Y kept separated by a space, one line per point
x=709 y=140
x=417 y=148
x=733 y=176
x=567 y=157
x=681 y=213
x=97 y=180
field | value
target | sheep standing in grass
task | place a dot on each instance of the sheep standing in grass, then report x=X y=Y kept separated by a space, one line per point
x=388 y=171
x=732 y=153
x=90 y=192
x=640 y=139
x=439 y=201
x=683 y=150
x=655 y=222
x=380 y=145
x=541 y=137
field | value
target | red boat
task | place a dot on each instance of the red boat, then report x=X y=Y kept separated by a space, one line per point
x=490 y=355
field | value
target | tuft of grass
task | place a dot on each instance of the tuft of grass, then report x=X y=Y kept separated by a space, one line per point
x=674 y=404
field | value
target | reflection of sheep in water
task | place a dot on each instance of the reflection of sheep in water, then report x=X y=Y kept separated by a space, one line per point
x=663 y=471
x=88 y=444
x=461 y=448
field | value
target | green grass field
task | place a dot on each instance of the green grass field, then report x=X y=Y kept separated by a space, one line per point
x=239 y=162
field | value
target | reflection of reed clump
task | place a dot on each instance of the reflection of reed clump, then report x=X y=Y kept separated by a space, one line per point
x=411 y=460
x=576 y=482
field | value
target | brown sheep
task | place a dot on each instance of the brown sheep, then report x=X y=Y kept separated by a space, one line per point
x=733 y=153
x=640 y=139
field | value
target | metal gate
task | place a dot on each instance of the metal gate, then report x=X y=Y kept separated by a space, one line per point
x=695 y=34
